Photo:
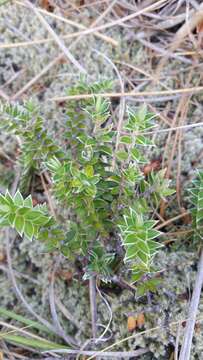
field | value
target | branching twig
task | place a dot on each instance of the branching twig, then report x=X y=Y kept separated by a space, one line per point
x=57 y=39
x=101 y=337
x=69 y=339
x=17 y=290
x=69 y=22
x=121 y=20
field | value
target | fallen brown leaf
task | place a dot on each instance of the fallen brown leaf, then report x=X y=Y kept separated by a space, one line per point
x=132 y=323
x=140 y=320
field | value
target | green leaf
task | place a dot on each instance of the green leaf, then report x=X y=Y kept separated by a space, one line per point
x=23 y=210
x=135 y=154
x=89 y=171
x=142 y=112
x=4 y=204
x=11 y=219
x=19 y=224
x=154 y=246
x=122 y=155
x=143 y=246
x=106 y=150
x=143 y=140
x=8 y=198
x=36 y=217
x=29 y=230
x=4 y=221
x=126 y=139
x=152 y=234
x=18 y=199
x=137 y=275
x=143 y=257
x=168 y=192
x=130 y=239
x=131 y=252
x=28 y=201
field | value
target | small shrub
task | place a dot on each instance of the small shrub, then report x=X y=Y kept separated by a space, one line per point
x=105 y=203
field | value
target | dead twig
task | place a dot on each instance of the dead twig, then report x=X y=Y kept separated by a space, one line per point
x=177 y=342
x=4 y=95
x=189 y=330
x=37 y=77
x=69 y=339
x=188 y=90
x=93 y=305
x=67 y=314
x=20 y=275
x=167 y=222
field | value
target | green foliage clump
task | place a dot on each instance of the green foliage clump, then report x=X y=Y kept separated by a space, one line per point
x=97 y=177
x=36 y=145
x=20 y=214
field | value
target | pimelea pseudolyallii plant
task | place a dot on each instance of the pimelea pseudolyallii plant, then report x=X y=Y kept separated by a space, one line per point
x=108 y=200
